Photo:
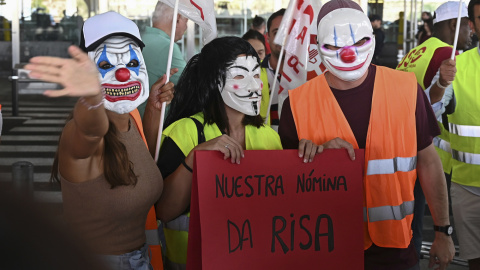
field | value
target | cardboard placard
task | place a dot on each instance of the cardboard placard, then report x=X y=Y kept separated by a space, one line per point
x=275 y=212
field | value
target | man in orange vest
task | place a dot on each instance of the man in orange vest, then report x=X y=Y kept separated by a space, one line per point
x=359 y=105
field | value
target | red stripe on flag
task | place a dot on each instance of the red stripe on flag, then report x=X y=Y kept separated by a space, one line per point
x=199 y=8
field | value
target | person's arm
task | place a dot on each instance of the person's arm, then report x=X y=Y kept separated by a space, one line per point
x=178 y=185
x=432 y=180
x=82 y=137
x=446 y=74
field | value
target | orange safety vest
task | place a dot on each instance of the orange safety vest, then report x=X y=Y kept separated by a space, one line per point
x=390 y=154
x=151 y=228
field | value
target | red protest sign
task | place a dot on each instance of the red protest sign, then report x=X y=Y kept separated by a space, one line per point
x=275 y=212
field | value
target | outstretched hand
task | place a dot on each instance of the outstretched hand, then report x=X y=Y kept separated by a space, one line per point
x=225 y=144
x=78 y=76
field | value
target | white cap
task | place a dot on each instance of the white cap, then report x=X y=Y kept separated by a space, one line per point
x=449 y=10
x=100 y=27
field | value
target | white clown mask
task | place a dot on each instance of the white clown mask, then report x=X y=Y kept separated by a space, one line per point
x=349 y=34
x=243 y=86
x=123 y=74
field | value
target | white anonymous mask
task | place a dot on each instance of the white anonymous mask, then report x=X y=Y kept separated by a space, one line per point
x=243 y=86
x=342 y=28
x=123 y=74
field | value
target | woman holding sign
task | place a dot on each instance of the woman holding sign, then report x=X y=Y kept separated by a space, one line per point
x=216 y=107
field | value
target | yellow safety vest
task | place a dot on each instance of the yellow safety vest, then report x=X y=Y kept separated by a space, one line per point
x=464 y=123
x=417 y=61
x=184 y=133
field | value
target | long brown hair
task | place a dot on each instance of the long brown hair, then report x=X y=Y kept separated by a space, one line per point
x=117 y=167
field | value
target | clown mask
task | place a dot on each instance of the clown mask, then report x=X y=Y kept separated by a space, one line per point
x=243 y=87
x=123 y=74
x=346 y=43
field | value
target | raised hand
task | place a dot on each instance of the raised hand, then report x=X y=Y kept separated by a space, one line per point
x=78 y=76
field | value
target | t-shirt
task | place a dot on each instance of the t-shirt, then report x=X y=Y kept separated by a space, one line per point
x=155 y=54
x=356 y=105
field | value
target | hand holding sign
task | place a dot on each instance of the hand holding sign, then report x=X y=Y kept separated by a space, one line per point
x=225 y=144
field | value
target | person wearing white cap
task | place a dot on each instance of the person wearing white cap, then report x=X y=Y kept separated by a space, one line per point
x=109 y=180
x=384 y=111
x=434 y=70
x=464 y=124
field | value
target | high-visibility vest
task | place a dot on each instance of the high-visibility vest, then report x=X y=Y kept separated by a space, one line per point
x=151 y=228
x=184 y=133
x=464 y=123
x=390 y=152
x=417 y=61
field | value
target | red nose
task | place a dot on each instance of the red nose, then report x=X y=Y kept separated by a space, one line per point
x=348 y=55
x=122 y=75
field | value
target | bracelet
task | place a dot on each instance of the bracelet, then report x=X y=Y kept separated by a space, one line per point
x=93 y=107
x=440 y=85
x=186 y=166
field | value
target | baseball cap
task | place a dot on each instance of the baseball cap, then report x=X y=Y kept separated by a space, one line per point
x=100 y=27
x=336 y=4
x=449 y=10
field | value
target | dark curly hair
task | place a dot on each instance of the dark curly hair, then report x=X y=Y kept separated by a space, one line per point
x=198 y=87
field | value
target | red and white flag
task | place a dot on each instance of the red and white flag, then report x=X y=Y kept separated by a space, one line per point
x=201 y=12
x=296 y=24
x=314 y=66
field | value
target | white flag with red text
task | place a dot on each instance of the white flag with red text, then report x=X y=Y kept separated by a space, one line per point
x=314 y=66
x=199 y=11
x=296 y=26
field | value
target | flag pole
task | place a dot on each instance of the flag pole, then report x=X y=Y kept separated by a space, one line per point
x=457 y=29
x=275 y=80
x=279 y=62
x=169 y=65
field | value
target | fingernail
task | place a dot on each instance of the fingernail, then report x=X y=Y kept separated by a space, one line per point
x=305 y=160
x=300 y=155
x=311 y=160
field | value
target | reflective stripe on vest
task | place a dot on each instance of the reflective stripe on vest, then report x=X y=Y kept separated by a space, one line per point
x=465 y=131
x=389 y=166
x=442 y=144
x=389 y=212
x=181 y=223
x=152 y=237
x=465 y=157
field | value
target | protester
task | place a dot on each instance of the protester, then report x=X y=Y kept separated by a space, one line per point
x=434 y=70
x=464 y=124
x=258 y=24
x=422 y=31
x=257 y=41
x=109 y=180
x=216 y=107
x=359 y=105
x=157 y=45
x=427 y=31
x=376 y=22
x=269 y=65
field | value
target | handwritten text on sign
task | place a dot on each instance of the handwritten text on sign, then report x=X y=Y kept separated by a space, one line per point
x=274 y=211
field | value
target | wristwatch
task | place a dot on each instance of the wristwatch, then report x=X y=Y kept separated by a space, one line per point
x=448 y=230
